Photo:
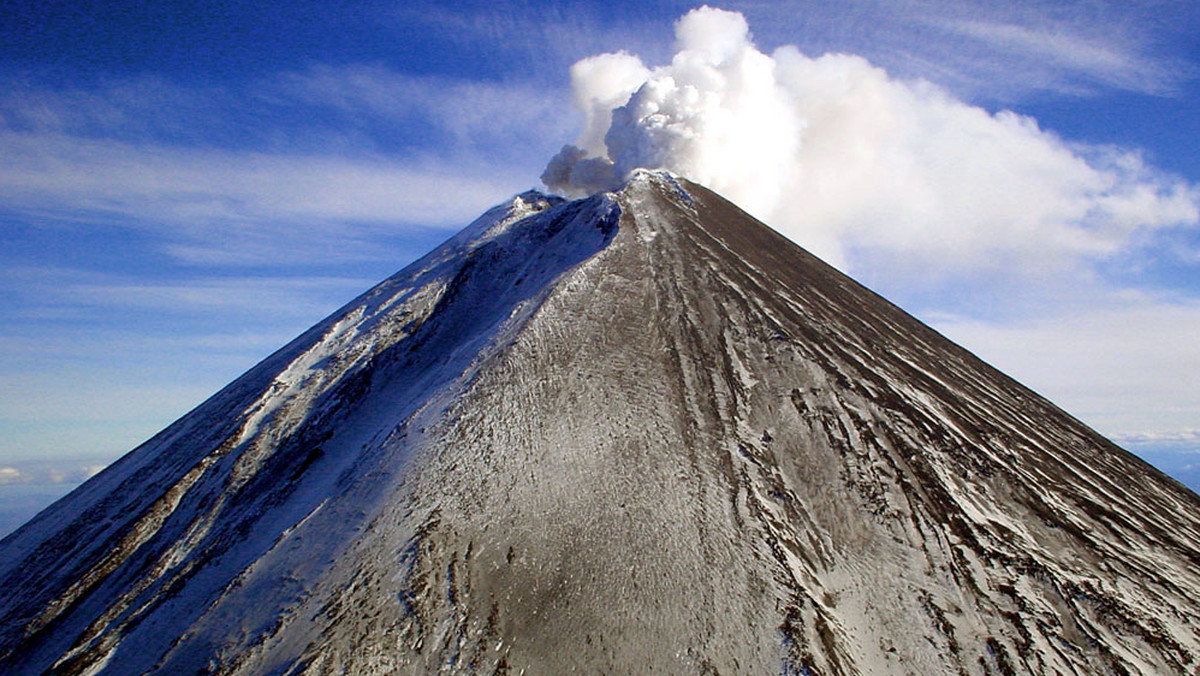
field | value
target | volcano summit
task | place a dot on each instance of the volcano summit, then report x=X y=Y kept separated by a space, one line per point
x=638 y=432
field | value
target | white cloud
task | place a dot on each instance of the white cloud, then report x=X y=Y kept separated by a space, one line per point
x=64 y=292
x=1126 y=364
x=326 y=166
x=72 y=475
x=990 y=51
x=1186 y=436
x=540 y=39
x=860 y=167
x=12 y=475
x=44 y=472
x=1102 y=62
x=187 y=187
x=477 y=116
x=278 y=297
x=229 y=207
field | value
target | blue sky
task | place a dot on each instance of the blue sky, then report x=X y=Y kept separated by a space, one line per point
x=186 y=186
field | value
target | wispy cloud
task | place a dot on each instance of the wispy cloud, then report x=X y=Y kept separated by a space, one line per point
x=1120 y=361
x=477 y=116
x=190 y=187
x=321 y=109
x=60 y=473
x=1189 y=437
x=1072 y=56
x=80 y=293
x=543 y=39
x=987 y=51
x=141 y=107
x=233 y=207
x=279 y=170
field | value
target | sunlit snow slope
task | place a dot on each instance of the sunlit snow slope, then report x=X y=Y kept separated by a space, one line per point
x=636 y=433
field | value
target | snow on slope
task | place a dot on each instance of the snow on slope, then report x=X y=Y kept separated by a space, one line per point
x=634 y=433
x=159 y=535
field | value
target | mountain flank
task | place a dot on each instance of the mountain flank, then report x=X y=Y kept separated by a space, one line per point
x=639 y=432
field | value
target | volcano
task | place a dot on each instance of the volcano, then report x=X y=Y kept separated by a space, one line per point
x=638 y=432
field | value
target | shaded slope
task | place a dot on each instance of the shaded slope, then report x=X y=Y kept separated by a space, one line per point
x=675 y=443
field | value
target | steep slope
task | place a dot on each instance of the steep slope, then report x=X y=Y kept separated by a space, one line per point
x=635 y=433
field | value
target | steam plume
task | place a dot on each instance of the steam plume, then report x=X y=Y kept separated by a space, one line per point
x=852 y=163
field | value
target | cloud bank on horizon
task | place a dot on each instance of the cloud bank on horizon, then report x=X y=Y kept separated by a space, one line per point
x=856 y=165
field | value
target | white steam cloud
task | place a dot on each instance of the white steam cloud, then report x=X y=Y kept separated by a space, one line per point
x=854 y=165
